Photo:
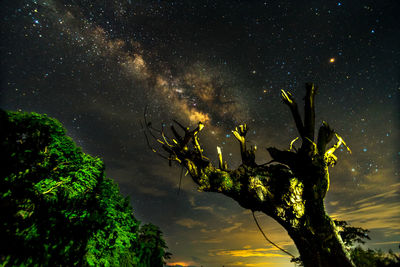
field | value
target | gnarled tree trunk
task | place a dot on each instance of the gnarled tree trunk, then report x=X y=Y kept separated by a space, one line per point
x=290 y=189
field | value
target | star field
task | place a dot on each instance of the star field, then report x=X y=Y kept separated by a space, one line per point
x=96 y=65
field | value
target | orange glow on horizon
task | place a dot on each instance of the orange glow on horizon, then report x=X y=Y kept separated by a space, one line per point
x=178 y=263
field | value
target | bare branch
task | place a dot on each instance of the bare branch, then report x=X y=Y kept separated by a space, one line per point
x=325 y=135
x=176 y=134
x=248 y=156
x=240 y=134
x=223 y=165
x=291 y=146
x=148 y=144
x=180 y=125
x=289 y=101
x=285 y=157
x=330 y=158
x=309 y=111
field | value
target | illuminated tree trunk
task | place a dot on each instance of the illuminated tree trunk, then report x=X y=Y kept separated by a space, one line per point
x=289 y=189
x=319 y=243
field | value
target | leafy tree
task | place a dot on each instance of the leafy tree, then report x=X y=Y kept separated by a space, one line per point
x=374 y=258
x=351 y=235
x=151 y=246
x=290 y=189
x=361 y=257
x=58 y=208
x=364 y=257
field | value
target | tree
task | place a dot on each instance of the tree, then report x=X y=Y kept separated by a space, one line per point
x=290 y=189
x=374 y=258
x=362 y=257
x=151 y=246
x=351 y=235
x=58 y=208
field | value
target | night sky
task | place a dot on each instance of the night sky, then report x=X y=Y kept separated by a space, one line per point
x=96 y=65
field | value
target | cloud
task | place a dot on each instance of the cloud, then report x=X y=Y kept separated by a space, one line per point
x=190 y=223
x=209 y=241
x=151 y=190
x=207 y=231
x=240 y=263
x=230 y=229
x=379 y=211
x=206 y=208
x=379 y=180
x=245 y=253
x=333 y=203
x=195 y=207
x=387 y=243
x=385 y=195
x=181 y=264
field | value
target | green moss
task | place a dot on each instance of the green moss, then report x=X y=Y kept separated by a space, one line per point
x=256 y=186
x=293 y=207
x=227 y=182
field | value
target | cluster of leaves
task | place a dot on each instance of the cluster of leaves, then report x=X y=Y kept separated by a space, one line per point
x=58 y=208
x=351 y=235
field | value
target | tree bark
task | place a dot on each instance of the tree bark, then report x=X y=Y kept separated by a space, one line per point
x=291 y=189
x=319 y=242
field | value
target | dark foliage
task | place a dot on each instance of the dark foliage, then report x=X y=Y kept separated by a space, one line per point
x=362 y=257
x=374 y=258
x=58 y=208
x=351 y=235
x=151 y=246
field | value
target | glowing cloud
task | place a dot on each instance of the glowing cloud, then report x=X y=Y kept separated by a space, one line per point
x=244 y=253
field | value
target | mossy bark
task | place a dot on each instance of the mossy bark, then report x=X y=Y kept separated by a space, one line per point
x=319 y=243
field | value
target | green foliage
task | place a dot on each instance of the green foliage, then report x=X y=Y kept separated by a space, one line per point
x=58 y=208
x=151 y=246
x=361 y=257
x=374 y=258
x=351 y=235
x=364 y=257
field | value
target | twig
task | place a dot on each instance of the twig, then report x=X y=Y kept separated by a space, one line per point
x=266 y=238
x=180 y=181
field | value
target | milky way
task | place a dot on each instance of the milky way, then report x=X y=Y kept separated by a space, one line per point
x=97 y=65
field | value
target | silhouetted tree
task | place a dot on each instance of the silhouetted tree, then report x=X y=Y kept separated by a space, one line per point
x=351 y=235
x=362 y=257
x=290 y=189
x=374 y=258
x=151 y=246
